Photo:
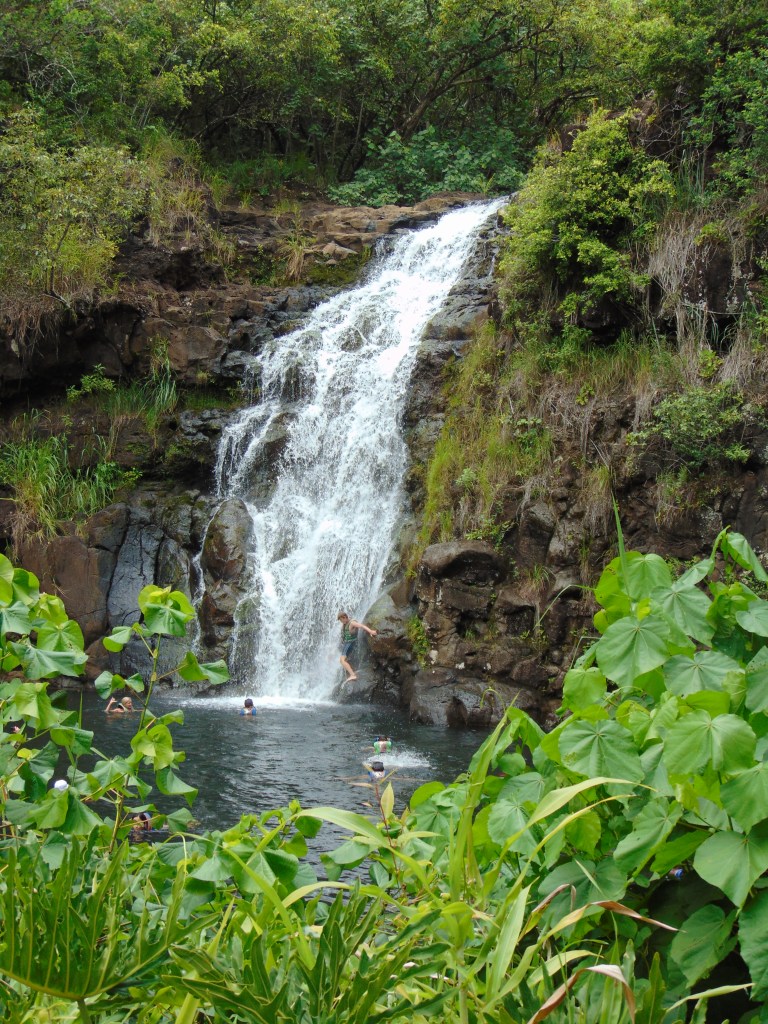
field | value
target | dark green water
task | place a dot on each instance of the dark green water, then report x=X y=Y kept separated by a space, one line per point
x=312 y=753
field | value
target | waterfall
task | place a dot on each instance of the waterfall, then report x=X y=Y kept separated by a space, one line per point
x=333 y=393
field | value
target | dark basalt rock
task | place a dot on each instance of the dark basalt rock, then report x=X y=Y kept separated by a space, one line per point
x=224 y=564
x=468 y=561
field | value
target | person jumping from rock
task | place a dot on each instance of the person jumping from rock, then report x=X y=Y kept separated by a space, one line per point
x=349 y=630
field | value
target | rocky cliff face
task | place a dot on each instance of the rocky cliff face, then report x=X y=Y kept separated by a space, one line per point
x=476 y=625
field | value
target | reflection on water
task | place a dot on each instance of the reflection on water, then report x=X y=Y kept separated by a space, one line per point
x=312 y=753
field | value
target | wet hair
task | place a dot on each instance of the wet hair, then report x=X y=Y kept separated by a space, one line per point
x=377 y=766
x=127 y=702
x=144 y=820
x=342 y=615
x=248 y=703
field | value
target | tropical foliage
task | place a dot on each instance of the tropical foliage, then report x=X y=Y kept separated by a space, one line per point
x=113 y=110
x=610 y=870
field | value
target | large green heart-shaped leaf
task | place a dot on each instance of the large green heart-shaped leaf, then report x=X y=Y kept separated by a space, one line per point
x=284 y=865
x=695 y=740
x=687 y=606
x=80 y=820
x=165 y=611
x=745 y=796
x=610 y=586
x=757 y=681
x=26 y=587
x=51 y=812
x=631 y=647
x=73 y=738
x=740 y=550
x=191 y=670
x=753 y=947
x=583 y=687
x=51 y=608
x=156 y=745
x=649 y=830
x=600 y=748
x=733 y=862
x=644 y=573
x=16 y=619
x=60 y=636
x=30 y=700
x=754 y=618
x=706 y=670
x=107 y=683
x=118 y=638
x=46 y=664
x=505 y=819
x=699 y=943
x=6 y=580
x=217 y=868
x=631 y=579
x=171 y=785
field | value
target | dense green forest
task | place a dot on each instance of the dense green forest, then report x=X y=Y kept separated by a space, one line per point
x=611 y=870
x=114 y=112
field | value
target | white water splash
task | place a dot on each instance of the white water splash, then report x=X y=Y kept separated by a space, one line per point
x=337 y=386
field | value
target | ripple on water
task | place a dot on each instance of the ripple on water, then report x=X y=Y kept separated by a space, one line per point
x=291 y=750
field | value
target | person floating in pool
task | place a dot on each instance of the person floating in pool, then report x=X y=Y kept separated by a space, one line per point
x=247 y=708
x=382 y=745
x=120 y=707
x=349 y=631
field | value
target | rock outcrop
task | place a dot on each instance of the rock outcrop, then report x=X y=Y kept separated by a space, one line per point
x=477 y=625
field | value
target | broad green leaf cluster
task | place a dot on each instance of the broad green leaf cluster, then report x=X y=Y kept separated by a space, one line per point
x=43 y=738
x=613 y=869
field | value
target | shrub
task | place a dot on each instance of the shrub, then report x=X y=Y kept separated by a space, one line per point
x=397 y=171
x=578 y=216
x=734 y=122
x=417 y=635
x=62 y=213
x=91 y=383
x=698 y=426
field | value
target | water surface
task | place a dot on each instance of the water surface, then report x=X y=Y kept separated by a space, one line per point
x=312 y=752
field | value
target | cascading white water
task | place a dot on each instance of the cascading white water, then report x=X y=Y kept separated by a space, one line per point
x=336 y=388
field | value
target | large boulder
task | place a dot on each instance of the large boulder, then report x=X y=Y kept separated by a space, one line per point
x=444 y=697
x=224 y=564
x=466 y=561
x=80 y=569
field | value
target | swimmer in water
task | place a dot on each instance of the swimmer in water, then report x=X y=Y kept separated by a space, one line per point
x=121 y=707
x=247 y=708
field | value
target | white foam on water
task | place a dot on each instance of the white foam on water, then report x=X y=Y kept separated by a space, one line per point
x=399 y=758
